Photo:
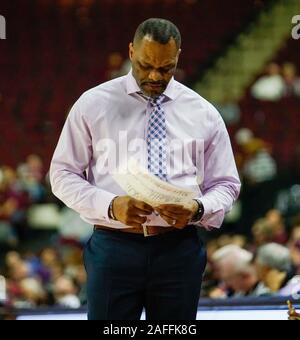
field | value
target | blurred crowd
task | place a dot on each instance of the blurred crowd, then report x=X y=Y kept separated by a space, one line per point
x=265 y=264
x=19 y=188
x=54 y=277
x=278 y=82
x=41 y=242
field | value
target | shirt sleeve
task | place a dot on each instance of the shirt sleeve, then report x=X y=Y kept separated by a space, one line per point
x=221 y=184
x=70 y=160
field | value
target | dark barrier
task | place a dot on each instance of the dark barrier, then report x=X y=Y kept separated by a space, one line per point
x=274 y=308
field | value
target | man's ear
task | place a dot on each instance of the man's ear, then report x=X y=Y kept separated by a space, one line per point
x=131 y=51
x=178 y=53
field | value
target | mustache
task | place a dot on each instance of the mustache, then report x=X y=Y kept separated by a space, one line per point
x=154 y=83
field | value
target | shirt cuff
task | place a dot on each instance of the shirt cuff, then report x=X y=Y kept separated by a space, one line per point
x=104 y=202
x=213 y=216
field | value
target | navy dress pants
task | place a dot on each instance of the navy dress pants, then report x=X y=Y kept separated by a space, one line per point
x=129 y=272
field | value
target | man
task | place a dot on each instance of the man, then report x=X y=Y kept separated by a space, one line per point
x=274 y=267
x=128 y=271
x=235 y=269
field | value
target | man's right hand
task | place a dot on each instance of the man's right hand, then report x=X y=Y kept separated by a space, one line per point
x=130 y=211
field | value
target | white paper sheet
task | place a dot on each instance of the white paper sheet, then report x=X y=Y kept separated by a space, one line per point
x=138 y=183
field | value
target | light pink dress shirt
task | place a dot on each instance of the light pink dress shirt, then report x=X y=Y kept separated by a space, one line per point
x=107 y=118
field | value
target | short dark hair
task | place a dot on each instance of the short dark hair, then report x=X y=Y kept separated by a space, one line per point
x=159 y=30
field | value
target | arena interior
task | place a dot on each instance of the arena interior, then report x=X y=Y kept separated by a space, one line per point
x=242 y=56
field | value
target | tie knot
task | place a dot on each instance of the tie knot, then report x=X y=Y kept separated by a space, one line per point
x=157 y=100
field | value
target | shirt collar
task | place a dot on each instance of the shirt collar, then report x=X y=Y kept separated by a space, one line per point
x=132 y=87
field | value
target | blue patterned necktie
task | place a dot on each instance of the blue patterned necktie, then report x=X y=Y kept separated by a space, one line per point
x=157 y=139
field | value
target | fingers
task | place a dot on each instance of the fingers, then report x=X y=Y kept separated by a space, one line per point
x=144 y=207
x=130 y=211
x=134 y=212
x=174 y=209
x=136 y=219
x=171 y=207
x=177 y=223
x=137 y=211
x=169 y=220
x=174 y=215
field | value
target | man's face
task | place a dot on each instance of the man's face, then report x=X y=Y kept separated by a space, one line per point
x=262 y=271
x=229 y=277
x=239 y=282
x=153 y=64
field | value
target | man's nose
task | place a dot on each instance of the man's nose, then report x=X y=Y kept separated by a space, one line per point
x=155 y=75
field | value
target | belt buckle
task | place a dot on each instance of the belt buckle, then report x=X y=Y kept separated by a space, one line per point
x=146 y=232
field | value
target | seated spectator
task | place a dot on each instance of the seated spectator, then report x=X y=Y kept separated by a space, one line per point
x=51 y=266
x=235 y=269
x=291 y=80
x=269 y=229
x=35 y=167
x=80 y=280
x=259 y=165
x=33 y=294
x=274 y=266
x=262 y=232
x=65 y=293
x=274 y=217
x=288 y=200
x=31 y=177
x=258 y=170
x=13 y=203
x=270 y=87
x=17 y=268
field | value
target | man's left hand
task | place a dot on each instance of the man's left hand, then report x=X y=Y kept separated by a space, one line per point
x=176 y=215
